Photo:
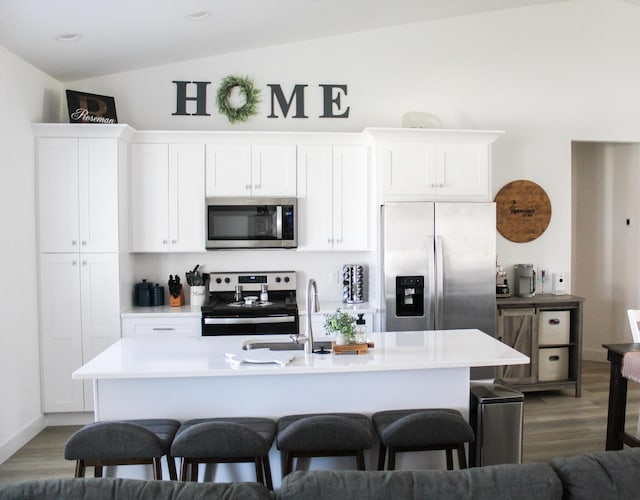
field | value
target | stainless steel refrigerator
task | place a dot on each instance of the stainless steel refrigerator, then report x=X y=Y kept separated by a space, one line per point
x=439 y=262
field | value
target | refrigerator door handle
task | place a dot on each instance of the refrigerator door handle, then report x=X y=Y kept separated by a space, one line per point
x=439 y=282
x=430 y=303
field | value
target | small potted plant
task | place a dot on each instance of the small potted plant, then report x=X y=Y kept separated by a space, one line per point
x=343 y=325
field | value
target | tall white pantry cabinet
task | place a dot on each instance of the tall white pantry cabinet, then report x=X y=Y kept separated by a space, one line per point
x=80 y=175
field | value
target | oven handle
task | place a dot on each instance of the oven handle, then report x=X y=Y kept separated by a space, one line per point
x=247 y=321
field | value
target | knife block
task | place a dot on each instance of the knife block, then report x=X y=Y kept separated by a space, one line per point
x=177 y=301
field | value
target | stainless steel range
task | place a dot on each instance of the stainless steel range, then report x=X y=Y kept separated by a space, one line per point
x=258 y=303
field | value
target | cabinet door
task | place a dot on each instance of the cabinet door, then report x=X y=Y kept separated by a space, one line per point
x=517 y=329
x=60 y=325
x=186 y=198
x=98 y=194
x=100 y=308
x=315 y=197
x=463 y=170
x=228 y=171
x=273 y=170
x=58 y=194
x=149 y=198
x=350 y=198
x=408 y=169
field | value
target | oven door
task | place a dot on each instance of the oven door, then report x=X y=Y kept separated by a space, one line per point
x=263 y=325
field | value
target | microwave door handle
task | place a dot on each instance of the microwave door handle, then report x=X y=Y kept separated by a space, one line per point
x=279 y=222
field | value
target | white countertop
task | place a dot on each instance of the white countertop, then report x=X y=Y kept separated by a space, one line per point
x=165 y=357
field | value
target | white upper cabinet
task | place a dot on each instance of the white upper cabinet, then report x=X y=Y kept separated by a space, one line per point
x=77 y=194
x=333 y=198
x=417 y=164
x=167 y=198
x=261 y=170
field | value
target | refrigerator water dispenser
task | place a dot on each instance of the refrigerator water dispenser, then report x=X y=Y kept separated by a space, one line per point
x=409 y=295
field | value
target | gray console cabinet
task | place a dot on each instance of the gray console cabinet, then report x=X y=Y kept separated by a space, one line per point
x=548 y=329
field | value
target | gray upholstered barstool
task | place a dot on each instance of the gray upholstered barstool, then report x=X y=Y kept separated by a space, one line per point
x=124 y=442
x=422 y=430
x=225 y=440
x=323 y=435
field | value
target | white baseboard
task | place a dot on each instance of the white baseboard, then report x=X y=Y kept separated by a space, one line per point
x=21 y=437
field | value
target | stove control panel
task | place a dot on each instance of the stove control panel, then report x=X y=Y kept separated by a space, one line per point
x=274 y=280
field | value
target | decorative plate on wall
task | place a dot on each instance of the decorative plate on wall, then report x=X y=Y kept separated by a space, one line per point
x=523 y=211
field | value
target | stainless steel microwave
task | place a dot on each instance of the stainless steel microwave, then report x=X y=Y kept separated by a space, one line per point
x=251 y=223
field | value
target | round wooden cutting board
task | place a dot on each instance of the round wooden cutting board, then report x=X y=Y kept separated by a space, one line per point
x=523 y=211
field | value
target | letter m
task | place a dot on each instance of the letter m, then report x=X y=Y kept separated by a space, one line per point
x=278 y=96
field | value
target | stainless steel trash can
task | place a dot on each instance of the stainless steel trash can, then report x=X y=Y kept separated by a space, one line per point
x=495 y=414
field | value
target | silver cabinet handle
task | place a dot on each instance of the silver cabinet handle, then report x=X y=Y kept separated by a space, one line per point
x=163 y=329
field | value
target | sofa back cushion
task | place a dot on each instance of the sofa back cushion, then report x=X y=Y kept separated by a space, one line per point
x=522 y=482
x=129 y=489
x=607 y=474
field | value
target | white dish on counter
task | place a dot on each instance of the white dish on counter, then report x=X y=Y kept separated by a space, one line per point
x=259 y=356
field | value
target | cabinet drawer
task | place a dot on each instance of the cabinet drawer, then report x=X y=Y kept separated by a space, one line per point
x=179 y=327
x=553 y=327
x=553 y=364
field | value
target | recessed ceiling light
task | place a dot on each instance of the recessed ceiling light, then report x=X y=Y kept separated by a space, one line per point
x=68 y=37
x=199 y=16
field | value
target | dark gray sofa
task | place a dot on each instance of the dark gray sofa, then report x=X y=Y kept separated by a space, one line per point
x=604 y=475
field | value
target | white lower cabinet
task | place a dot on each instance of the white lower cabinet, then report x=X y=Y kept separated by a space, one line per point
x=80 y=317
x=183 y=326
x=333 y=198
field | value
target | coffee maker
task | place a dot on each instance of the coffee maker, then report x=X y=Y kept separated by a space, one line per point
x=525 y=282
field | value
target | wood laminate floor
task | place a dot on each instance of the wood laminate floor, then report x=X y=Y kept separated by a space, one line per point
x=555 y=424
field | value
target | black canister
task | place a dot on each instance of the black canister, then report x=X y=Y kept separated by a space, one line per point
x=143 y=294
x=157 y=295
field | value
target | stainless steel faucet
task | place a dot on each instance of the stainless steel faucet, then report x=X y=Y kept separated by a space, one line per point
x=312 y=303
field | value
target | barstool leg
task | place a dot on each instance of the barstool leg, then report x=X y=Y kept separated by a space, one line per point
x=392 y=458
x=97 y=471
x=462 y=459
x=449 y=459
x=171 y=465
x=258 y=463
x=183 y=469
x=381 y=456
x=360 y=460
x=157 y=468
x=194 y=472
x=80 y=468
x=288 y=463
x=267 y=472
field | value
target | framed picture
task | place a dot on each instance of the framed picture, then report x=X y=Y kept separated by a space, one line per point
x=91 y=108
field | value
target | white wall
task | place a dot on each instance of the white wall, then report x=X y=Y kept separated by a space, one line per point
x=26 y=96
x=545 y=74
x=606 y=177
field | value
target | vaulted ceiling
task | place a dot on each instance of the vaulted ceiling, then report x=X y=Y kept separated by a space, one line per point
x=76 y=39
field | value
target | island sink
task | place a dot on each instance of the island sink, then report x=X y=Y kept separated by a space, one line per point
x=275 y=345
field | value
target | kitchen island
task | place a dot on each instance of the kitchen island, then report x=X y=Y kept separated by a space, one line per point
x=196 y=377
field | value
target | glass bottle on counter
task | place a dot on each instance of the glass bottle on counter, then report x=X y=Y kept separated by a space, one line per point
x=361 y=330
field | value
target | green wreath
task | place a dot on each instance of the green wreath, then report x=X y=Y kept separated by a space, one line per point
x=251 y=93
